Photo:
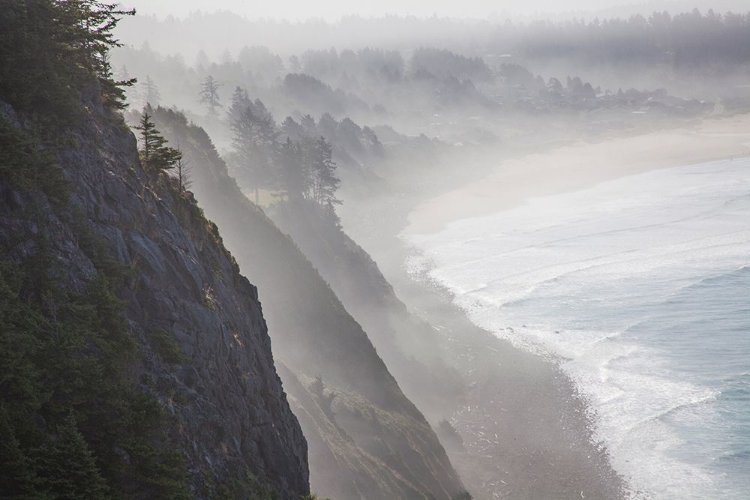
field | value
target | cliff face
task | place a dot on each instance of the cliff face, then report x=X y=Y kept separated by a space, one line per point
x=367 y=440
x=203 y=349
x=412 y=349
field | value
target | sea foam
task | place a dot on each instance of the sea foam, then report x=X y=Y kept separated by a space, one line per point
x=640 y=289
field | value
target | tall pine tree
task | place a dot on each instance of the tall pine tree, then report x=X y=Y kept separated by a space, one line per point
x=68 y=467
x=155 y=155
x=209 y=95
x=324 y=173
x=255 y=155
x=294 y=174
x=151 y=92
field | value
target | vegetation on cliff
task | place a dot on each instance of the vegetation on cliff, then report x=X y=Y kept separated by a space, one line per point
x=103 y=393
x=72 y=424
x=366 y=439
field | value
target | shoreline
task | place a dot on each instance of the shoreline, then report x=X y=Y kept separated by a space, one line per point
x=541 y=442
x=528 y=431
x=666 y=182
x=526 y=428
x=579 y=166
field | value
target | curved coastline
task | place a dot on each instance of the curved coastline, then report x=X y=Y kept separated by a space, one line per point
x=528 y=431
x=582 y=165
x=542 y=417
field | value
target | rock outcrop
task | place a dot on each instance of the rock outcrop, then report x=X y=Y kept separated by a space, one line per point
x=204 y=349
x=366 y=439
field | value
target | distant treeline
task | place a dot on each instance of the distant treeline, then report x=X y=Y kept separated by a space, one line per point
x=692 y=55
x=391 y=67
x=687 y=39
x=692 y=35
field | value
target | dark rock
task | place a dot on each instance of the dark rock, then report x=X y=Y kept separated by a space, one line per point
x=186 y=288
x=391 y=453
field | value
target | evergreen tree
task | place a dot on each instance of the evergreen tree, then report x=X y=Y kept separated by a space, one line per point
x=255 y=150
x=183 y=174
x=90 y=24
x=151 y=92
x=226 y=57
x=209 y=95
x=124 y=81
x=292 y=129
x=309 y=126
x=50 y=49
x=240 y=101
x=201 y=60
x=294 y=175
x=155 y=155
x=262 y=112
x=325 y=183
x=373 y=144
x=68 y=468
x=294 y=65
x=17 y=478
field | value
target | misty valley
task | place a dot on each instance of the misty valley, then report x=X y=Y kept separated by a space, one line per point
x=374 y=253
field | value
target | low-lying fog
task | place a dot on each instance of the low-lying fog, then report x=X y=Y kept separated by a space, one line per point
x=454 y=142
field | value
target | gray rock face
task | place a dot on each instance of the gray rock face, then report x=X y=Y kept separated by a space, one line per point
x=230 y=413
x=367 y=440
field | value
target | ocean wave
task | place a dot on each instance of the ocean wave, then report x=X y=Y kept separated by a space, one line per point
x=667 y=412
x=628 y=306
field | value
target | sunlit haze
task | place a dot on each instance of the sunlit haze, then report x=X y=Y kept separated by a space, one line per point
x=380 y=250
x=335 y=9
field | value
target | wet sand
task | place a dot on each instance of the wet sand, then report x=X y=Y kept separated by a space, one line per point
x=583 y=165
x=527 y=433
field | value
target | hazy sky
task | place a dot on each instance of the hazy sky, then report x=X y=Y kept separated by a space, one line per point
x=335 y=9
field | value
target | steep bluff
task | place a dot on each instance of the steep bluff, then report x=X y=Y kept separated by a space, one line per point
x=413 y=350
x=366 y=439
x=202 y=349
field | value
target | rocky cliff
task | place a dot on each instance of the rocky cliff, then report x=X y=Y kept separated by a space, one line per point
x=367 y=440
x=413 y=350
x=200 y=345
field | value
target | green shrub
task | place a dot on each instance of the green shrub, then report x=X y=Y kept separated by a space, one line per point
x=166 y=346
x=65 y=360
x=27 y=165
x=248 y=488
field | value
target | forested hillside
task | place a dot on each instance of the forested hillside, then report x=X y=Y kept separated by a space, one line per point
x=269 y=260
x=366 y=439
x=134 y=358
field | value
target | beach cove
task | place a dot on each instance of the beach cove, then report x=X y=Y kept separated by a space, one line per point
x=528 y=429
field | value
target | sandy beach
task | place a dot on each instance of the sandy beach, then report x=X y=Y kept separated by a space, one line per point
x=526 y=431
x=583 y=165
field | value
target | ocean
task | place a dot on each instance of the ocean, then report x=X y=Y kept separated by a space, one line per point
x=640 y=289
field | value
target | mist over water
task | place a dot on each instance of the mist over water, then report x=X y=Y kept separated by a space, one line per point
x=638 y=287
x=201 y=262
